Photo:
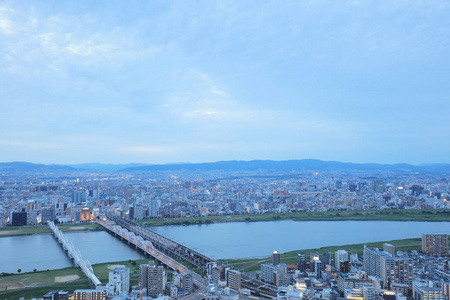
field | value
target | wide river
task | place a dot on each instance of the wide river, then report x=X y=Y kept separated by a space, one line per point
x=226 y=240
x=252 y=239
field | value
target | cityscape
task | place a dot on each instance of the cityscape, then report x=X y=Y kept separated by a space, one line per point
x=224 y=150
x=129 y=206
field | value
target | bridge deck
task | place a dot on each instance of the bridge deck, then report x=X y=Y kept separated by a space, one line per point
x=149 y=249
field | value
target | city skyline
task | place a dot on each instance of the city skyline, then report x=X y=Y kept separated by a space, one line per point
x=199 y=81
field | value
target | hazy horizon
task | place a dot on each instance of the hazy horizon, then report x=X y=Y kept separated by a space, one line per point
x=205 y=81
x=208 y=162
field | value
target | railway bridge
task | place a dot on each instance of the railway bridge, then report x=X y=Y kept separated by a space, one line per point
x=176 y=250
x=74 y=254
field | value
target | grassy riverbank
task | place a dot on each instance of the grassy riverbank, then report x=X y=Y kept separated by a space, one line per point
x=36 y=284
x=428 y=215
x=42 y=229
x=254 y=264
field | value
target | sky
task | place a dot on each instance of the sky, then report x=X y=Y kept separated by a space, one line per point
x=201 y=81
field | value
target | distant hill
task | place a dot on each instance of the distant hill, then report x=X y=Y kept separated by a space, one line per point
x=233 y=165
x=23 y=167
x=289 y=165
x=106 y=167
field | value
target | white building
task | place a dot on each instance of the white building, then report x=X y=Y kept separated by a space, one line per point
x=340 y=256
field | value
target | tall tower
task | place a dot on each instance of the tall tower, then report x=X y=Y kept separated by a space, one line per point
x=275 y=258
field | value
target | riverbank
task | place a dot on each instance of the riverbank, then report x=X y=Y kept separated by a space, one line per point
x=426 y=215
x=44 y=229
x=36 y=284
x=290 y=258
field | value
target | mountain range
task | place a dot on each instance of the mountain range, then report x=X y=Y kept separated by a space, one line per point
x=233 y=165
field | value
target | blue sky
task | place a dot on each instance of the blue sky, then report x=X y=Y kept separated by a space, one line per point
x=196 y=81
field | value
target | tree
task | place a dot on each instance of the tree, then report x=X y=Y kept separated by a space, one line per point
x=19 y=270
x=35 y=270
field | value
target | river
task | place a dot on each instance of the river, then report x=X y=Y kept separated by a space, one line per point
x=42 y=251
x=253 y=239
x=222 y=240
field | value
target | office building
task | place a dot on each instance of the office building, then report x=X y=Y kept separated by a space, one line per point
x=435 y=243
x=340 y=256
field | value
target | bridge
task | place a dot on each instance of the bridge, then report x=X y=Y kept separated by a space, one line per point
x=148 y=247
x=74 y=254
x=169 y=248
x=166 y=245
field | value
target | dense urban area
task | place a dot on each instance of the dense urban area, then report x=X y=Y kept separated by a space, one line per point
x=125 y=204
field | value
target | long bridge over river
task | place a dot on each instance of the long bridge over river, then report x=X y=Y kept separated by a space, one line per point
x=160 y=246
x=148 y=247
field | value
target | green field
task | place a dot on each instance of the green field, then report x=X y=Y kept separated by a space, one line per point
x=254 y=264
x=430 y=215
x=40 y=229
x=36 y=284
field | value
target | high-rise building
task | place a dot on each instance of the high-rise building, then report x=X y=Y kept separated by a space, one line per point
x=396 y=270
x=372 y=261
x=79 y=196
x=326 y=258
x=301 y=263
x=267 y=271
x=156 y=280
x=153 y=208
x=389 y=248
x=318 y=268
x=234 y=280
x=280 y=275
x=345 y=266
x=143 y=275
x=340 y=256
x=378 y=186
x=435 y=243
x=275 y=258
